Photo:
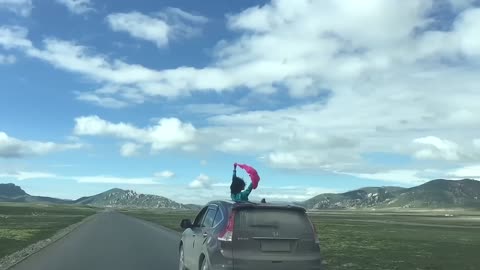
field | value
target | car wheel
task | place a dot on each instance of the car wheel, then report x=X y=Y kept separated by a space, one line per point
x=204 y=265
x=181 y=263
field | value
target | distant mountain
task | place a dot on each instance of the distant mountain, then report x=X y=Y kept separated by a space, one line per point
x=11 y=190
x=128 y=198
x=14 y=193
x=438 y=193
x=111 y=198
x=360 y=198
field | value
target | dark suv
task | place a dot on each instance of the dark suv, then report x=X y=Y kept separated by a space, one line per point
x=249 y=236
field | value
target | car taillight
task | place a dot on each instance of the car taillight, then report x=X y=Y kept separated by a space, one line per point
x=315 y=234
x=227 y=234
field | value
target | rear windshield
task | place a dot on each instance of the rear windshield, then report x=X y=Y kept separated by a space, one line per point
x=272 y=223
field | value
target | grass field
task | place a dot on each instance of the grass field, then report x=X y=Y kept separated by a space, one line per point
x=382 y=240
x=25 y=224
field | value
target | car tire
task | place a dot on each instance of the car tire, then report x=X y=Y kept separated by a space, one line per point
x=181 y=261
x=204 y=265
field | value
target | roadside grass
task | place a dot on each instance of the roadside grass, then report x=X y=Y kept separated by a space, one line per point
x=167 y=218
x=380 y=240
x=24 y=224
x=398 y=241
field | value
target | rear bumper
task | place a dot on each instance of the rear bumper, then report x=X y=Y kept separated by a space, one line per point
x=272 y=266
x=222 y=259
x=222 y=267
x=278 y=265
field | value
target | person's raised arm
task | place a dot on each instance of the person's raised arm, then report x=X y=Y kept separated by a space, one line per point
x=247 y=191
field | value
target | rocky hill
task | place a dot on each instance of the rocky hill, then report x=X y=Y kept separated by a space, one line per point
x=128 y=198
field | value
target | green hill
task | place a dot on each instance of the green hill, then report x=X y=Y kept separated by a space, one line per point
x=438 y=193
x=14 y=193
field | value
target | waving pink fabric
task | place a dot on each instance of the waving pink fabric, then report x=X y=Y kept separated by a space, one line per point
x=252 y=173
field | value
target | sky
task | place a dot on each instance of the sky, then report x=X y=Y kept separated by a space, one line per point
x=162 y=97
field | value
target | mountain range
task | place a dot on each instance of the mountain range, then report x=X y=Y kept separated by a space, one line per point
x=438 y=193
x=118 y=198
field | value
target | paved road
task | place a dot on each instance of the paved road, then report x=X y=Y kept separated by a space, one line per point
x=109 y=241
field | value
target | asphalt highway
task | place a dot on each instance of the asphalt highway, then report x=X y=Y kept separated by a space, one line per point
x=109 y=240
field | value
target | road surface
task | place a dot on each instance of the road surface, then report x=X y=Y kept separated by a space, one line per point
x=109 y=240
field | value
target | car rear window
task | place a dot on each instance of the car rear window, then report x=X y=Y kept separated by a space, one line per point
x=272 y=223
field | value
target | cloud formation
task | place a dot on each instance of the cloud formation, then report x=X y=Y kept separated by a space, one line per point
x=15 y=148
x=130 y=149
x=77 y=6
x=27 y=175
x=20 y=7
x=408 y=86
x=7 y=59
x=201 y=182
x=160 y=28
x=168 y=133
x=165 y=174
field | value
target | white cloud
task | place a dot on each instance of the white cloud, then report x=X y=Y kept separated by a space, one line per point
x=14 y=37
x=20 y=7
x=77 y=6
x=235 y=145
x=102 y=97
x=14 y=148
x=471 y=171
x=105 y=179
x=172 y=23
x=168 y=133
x=436 y=148
x=201 y=182
x=130 y=149
x=7 y=59
x=140 y=26
x=323 y=53
x=107 y=102
x=212 y=109
x=95 y=126
x=180 y=14
x=397 y=176
x=25 y=175
x=298 y=160
x=476 y=143
x=165 y=174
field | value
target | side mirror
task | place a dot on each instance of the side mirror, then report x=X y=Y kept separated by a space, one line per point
x=186 y=224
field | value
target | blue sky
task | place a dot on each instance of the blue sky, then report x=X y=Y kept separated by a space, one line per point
x=164 y=96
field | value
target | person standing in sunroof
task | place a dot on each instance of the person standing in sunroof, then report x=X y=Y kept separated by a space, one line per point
x=238 y=193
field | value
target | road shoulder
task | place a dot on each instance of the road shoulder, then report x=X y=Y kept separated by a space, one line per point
x=15 y=258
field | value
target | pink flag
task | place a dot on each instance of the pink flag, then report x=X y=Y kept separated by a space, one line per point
x=252 y=173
